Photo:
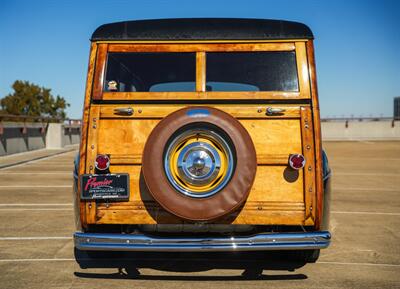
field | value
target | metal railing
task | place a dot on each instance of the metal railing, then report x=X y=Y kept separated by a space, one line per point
x=31 y=118
x=371 y=118
x=25 y=120
x=347 y=120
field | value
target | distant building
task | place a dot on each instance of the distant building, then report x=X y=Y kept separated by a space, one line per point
x=396 y=114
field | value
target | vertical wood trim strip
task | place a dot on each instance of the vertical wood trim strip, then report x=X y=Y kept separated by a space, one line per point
x=99 y=71
x=200 y=71
x=309 y=169
x=302 y=68
x=317 y=133
x=84 y=131
x=91 y=156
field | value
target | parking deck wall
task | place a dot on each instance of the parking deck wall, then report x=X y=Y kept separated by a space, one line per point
x=18 y=137
x=360 y=130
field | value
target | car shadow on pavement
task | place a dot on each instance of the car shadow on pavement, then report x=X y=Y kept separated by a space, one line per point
x=119 y=275
x=249 y=265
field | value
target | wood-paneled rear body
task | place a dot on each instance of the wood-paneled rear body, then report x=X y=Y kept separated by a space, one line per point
x=279 y=196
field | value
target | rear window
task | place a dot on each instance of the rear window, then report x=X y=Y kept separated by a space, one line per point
x=251 y=71
x=225 y=71
x=130 y=72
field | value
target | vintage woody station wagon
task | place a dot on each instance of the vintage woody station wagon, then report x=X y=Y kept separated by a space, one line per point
x=201 y=135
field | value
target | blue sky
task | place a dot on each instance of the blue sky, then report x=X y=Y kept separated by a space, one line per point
x=357 y=43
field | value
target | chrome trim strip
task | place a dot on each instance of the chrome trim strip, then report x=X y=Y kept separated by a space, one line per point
x=260 y=242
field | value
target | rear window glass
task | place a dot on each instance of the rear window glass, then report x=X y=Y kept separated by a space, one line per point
x=140 y=71
x=251 y=71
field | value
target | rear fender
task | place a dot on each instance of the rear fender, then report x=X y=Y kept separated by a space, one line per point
x=75 y=194
x=327 y=173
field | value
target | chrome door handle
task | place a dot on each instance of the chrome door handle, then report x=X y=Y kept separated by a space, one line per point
x=124 y=110
x=274 y=110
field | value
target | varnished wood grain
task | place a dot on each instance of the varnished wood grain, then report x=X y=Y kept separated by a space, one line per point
x=120 y=136
x=159 y=111
x=200 y=71
x=274 y=136
x=84 y=130
x=278 y=196
x=302 y=70
x=128 y=136
x=309 y=169
x=301 y=60
x=160 y=216
x=215 y=47
x=188 y=41
x=317 y=135
x=214 y=95
x=272 y=199
x=99 y=71
x=91 y=153
x=262 y=159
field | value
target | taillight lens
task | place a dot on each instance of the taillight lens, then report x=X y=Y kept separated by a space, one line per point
x=297 y=161
x=102 y=162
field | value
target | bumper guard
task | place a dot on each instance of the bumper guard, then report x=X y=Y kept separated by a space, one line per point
x=146 y=243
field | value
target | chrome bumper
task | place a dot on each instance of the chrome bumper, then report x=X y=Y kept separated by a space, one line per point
x=145 y=243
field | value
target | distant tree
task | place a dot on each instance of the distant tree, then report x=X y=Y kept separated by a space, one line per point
x=33 y=100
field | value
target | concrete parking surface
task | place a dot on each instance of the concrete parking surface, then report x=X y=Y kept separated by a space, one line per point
x=36 y=248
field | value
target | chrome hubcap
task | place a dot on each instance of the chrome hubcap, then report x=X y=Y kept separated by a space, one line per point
x=198 y=163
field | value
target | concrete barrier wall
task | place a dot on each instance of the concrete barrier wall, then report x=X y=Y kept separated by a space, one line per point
x=72 y=135
x=361 y=130
x=17 y=137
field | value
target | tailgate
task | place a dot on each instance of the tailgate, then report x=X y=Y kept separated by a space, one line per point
x=279 y=196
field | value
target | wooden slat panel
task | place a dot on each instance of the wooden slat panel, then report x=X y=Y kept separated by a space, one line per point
x=201 y=47
x=302 y=70
x=202 y=95
x=309 y=169
x=159 y=216
x=200 y=71
x=136 y=159
x=198 y=41
x=99 y=71
x=238 y=111
x=276 y=184
x=126 y=159
x=119 y=136
x=278 y=137
x=274 y=136
x=269 y=218
x=272 y=200
x=91 y=152
x=153 y=205
x=84 y=131
x=317 y=136
x=272 y=184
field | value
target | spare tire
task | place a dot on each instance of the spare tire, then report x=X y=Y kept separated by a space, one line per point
x=199 y=163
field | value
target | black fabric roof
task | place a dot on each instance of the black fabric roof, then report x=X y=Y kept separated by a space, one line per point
x=203 y=29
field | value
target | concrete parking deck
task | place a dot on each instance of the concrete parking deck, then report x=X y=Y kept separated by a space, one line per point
x=36 y=248
x=20 y=158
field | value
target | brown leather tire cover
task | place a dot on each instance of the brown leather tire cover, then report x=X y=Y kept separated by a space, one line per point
x=231 y=197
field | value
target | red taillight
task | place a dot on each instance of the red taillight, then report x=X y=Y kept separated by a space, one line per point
x=102 y=162
x=297 y=161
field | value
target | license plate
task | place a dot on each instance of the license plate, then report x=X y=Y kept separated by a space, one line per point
x=99 y=187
